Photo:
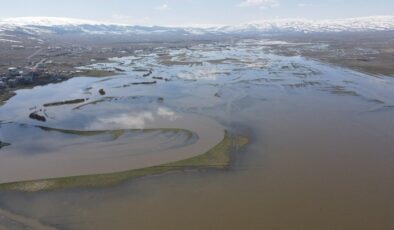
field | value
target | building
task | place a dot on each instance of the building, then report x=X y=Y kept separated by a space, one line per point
x=12 y=82
x=13 y=72
x=24 y=79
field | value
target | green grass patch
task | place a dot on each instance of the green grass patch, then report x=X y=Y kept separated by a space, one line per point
x=68 y=102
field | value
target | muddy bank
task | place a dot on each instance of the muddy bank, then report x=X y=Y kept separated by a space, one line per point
x=5 y=95
x=4 y=144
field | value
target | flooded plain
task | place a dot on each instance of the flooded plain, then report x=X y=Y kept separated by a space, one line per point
x=321 y=154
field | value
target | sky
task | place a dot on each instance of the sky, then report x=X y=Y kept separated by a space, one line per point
x=194 y=12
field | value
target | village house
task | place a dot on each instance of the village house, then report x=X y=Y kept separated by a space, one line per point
x=13 y=72
x=2 y=85
x=12 y=82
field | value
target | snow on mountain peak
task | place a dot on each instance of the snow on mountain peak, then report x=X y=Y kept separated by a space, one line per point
x=47 y=21
x=375 y=23
x=38 y=25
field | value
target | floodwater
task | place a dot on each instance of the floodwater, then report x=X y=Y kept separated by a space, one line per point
x=321 y=154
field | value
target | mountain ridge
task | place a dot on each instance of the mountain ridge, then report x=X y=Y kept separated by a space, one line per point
x=53 y=25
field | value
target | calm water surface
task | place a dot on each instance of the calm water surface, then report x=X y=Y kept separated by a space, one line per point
x=321 y=153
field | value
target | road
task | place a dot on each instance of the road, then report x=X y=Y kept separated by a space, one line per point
x=34 y=54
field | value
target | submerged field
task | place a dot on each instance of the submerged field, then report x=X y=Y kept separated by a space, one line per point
x=168 y=133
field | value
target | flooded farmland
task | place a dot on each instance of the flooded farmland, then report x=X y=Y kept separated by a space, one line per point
x=320 y=151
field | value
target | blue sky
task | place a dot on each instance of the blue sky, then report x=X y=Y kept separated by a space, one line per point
x=194 y=12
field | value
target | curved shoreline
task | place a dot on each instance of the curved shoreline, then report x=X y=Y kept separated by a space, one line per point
x=218 y=157
x=58 y=153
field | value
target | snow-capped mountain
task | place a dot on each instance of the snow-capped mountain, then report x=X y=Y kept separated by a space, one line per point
x=48 y=25
x=377 y=23
x=47 y=21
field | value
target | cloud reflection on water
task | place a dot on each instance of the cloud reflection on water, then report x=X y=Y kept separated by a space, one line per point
x=133 y=120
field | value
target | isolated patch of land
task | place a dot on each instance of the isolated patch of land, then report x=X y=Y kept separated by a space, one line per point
x=3 y=144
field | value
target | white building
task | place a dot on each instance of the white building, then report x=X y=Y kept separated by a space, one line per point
x=13 y=71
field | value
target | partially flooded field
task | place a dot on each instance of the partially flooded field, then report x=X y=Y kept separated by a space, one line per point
x=319 y=154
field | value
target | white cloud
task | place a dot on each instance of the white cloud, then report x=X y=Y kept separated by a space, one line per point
x=301 y=4
x=262 y=4
x=163 y=7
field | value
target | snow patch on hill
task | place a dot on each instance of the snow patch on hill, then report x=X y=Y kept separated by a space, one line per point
x=47 y=21
x=376 y=23
x=48 y=25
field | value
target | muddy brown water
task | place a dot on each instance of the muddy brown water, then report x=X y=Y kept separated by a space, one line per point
x=318 y=158
x=50 y=154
